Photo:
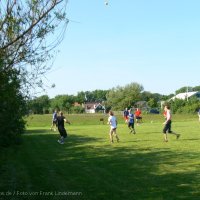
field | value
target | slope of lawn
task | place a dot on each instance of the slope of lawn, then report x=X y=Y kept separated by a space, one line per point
x=87 y=166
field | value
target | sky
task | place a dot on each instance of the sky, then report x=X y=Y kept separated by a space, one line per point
x=155 y=43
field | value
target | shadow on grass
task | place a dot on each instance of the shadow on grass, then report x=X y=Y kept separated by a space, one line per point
x=38 y=131
x=191 y=139
x=95 y=169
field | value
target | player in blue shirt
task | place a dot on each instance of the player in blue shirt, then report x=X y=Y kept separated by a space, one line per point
x=131 y=122
x=54 y=120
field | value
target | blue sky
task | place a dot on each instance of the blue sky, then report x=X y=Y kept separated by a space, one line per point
x=155 y=43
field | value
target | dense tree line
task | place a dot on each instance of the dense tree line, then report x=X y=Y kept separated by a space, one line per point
x=44 y=104
x=116 y=98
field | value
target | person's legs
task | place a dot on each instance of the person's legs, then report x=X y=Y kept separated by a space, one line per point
x=111 y=135
x=63 y=134
x=60 y=131
x=54 y=125
x=133 y=127
x=165 y=132
x=176 y=134
x=137 y=120
x=115 y=133
x=165 y=137
x=130 y=128
x=172 y=132
x=51 y=125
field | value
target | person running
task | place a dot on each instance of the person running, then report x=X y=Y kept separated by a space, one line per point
x=61 y=127
x=131 y=122
x=167 y=123
x=54 y=121
x=125 y=115
x=112 y=121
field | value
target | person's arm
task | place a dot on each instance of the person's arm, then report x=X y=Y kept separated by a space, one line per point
x=67 y=121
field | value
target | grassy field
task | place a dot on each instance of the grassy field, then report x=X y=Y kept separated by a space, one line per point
x=87 y=166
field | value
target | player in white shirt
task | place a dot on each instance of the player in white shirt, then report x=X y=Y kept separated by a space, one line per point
x=112 y=121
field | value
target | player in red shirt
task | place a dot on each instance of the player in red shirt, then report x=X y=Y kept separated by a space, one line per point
x=138 y=116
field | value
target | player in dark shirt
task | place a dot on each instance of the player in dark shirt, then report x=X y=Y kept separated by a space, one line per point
x=61 y=120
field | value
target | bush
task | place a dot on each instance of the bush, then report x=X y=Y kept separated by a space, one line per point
x=12 y=108
x=77 y=109
x=183 y=106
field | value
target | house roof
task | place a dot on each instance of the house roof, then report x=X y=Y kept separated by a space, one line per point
x=184 y=95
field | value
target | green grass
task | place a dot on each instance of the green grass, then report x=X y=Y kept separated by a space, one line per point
x=87 y=166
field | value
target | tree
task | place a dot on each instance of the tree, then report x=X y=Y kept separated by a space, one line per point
x=196 y=88
x=27 y=41
x=12 y=107
x=151 y=98
x=121 y=97
x=152 y=103
x=39 y=105
x=91 y=96
x=184 y=89
x=63 y=102
x=27 y=36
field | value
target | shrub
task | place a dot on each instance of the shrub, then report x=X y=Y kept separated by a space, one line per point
x=12 y=108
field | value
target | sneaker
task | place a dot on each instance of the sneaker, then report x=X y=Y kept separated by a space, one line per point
x=61 y=142
x=131 y=131
x=165 y=140
x=178 y=136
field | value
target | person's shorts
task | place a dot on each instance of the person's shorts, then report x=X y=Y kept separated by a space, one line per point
x=131 y=125
x=112 y=130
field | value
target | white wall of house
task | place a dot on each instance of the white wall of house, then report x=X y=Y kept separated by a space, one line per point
x=90 y=110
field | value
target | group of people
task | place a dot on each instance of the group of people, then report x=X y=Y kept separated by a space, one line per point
x=58 y=121
x=129 y=119
x=112 y=121
x=137 y=114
